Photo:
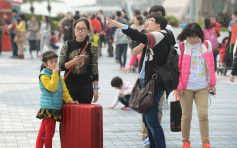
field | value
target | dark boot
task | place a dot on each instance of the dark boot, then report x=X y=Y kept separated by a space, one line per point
x=20 y=57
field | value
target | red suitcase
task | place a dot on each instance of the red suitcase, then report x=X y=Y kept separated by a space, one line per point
x=82 y=126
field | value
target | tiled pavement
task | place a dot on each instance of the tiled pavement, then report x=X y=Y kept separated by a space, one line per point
x=19 y=103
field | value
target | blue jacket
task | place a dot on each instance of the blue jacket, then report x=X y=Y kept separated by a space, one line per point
x=48 y=99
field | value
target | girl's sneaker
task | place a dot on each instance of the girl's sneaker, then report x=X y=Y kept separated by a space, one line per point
x=122 y=108
x=207 y=146
x=31 y=56
x=39 y=55
x=186 y=145
x=126 y=109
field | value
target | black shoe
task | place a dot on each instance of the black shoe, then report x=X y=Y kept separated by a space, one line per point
x=13 y=57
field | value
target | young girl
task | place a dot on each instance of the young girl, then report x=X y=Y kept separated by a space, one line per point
x=53 y=92
x=197 y=79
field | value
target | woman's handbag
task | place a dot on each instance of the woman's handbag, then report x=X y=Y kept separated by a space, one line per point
x=175 y=114
x=142 y=100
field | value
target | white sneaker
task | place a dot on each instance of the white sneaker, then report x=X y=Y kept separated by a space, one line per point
x=147 y=142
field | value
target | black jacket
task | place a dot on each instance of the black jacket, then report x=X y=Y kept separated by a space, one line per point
x=234 y=65
x=160 y=50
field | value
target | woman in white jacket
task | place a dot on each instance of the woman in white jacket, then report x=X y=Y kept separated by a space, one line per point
x=45 y=30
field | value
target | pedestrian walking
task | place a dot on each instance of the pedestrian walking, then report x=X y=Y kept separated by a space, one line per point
x=53 y=92
x=211 y=35
x=33 y=29
x=67 y=27
x=11 y=29
x=197 y=79
x=234 y=64
x=20 y=36
x=45 y=29
x=121 y=41
x=1 y=28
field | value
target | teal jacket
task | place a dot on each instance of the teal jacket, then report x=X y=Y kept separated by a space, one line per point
x=48 y=99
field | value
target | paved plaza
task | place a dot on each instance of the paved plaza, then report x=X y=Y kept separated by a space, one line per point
x=20 y=100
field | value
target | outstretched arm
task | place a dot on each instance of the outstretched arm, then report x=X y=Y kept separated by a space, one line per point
x=132 y=33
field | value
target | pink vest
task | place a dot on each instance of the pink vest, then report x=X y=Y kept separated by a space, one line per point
x=185 y=61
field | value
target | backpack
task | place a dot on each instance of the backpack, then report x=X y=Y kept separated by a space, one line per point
x=169 y=72
x=210 y=34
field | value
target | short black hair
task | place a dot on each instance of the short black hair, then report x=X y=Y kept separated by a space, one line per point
x=14 y=10
x=235 y=13
x=159 y=20
x=22 y=17
x=137 y=12
x=116 y=82
x=207 y=23
x=52 y=33
x=157 y=8
x=118 y=13
x=94 y=31
x=191 y=29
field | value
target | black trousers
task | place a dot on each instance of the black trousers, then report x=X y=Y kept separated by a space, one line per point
x=124 y=100
x=33 y=46
x=81 y=93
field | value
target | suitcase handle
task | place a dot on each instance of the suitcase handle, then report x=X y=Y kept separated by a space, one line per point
x=99 y=125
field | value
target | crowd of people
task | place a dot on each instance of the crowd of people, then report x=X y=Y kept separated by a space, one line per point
x=150 y=38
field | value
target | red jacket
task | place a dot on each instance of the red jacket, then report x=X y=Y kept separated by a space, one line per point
x=96 y=25
x=217 y=26
x=53 y=39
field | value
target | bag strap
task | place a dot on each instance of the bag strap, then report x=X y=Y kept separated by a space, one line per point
x=151 y=42
x=74 y=65
x=205 y=43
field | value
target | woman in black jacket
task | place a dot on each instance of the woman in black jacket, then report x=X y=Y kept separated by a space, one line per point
x=82 y=82
x=234 y=64
x=151 y=58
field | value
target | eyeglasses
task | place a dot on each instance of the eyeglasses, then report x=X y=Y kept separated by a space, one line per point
x=80 y=29
x=150 y=20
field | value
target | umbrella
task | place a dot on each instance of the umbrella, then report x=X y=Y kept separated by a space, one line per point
x=227 y=8
x=205 y=9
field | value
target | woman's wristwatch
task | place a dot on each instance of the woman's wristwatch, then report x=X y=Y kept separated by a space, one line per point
x=96 y=87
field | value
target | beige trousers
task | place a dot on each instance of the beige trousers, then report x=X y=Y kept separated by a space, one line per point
x=20 y=48
x=144 y=131
x=200 y=97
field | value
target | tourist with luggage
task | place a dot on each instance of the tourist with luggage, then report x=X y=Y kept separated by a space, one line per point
x=197 y=78
x=124 y=90
x=53 y=92
x=82 y=81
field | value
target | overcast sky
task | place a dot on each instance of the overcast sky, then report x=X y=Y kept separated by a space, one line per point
x=41 y=8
